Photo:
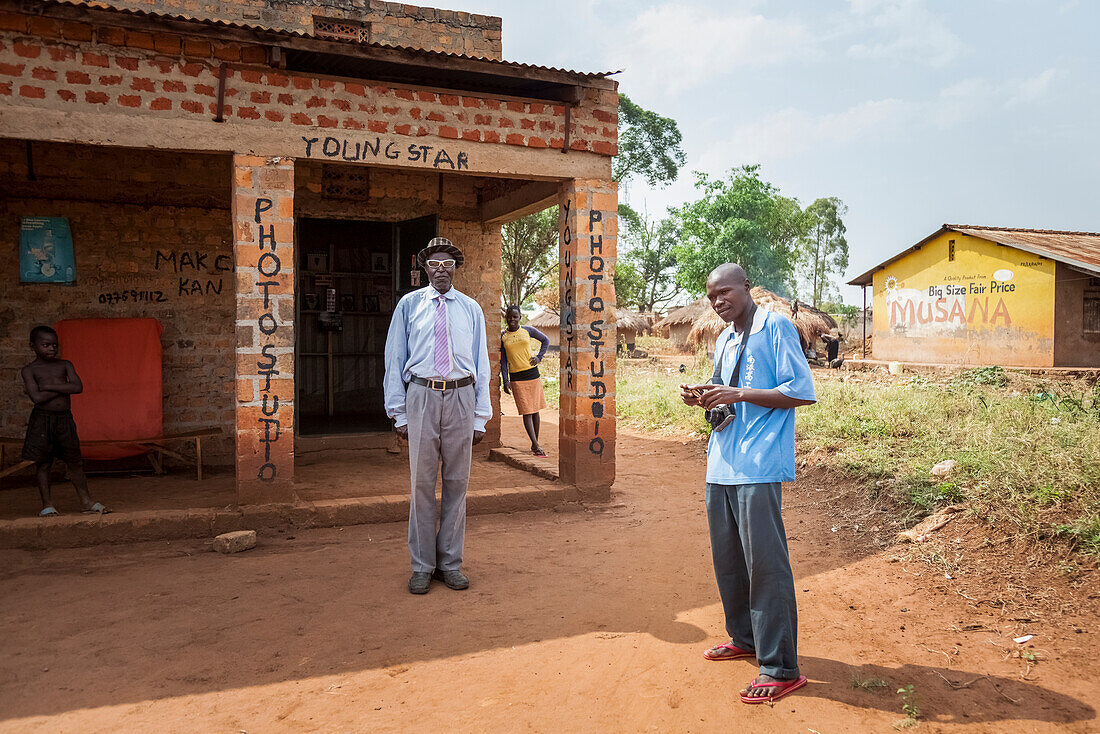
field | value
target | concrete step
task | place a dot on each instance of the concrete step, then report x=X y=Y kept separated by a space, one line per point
x=74 y=530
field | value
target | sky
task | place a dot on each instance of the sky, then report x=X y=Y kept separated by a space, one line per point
x=913 y=113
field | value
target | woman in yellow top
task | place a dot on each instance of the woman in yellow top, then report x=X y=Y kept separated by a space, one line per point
x=520 y=373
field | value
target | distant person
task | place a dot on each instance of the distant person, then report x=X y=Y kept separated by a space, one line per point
x=760 y=376
x=520 y=373
x=437 y=393
x=51 y=431
x=832 y=346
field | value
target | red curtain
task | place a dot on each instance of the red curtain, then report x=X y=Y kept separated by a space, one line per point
x=119 y=362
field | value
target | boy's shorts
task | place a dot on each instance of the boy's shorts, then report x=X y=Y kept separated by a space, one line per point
x=51 y=436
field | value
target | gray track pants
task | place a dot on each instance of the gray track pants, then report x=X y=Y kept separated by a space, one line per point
x=441 y=429
x=749 y=547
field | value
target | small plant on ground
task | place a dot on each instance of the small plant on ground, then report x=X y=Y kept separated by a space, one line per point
x=869 y=684
x=994 y=376
x=910 y=705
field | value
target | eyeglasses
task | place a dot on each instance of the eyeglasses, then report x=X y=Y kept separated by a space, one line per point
x=448 y=264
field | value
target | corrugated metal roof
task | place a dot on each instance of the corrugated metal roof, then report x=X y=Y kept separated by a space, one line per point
x=299 y=34
x=1077 y=249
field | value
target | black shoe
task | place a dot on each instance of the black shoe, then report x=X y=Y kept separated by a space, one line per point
x=420 y=582
x=453 y=579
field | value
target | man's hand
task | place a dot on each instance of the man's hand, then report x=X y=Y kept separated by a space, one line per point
x=507 y=390
x=715 y=395
x=478 y=435
x=535 y=361
x=687 y=394
x=402 y=432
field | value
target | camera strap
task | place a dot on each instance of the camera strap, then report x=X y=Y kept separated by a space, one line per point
x=735 y=378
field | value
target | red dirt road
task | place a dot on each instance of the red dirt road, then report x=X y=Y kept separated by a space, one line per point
x=585 y=620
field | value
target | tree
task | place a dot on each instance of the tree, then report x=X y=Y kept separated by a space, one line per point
x=628 y=284
x=825 y=249
x=529 y=251
x=649 y=146
x=743 y=220
x=650 y=258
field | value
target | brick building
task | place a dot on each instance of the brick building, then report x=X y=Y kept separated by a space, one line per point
x=242 y=171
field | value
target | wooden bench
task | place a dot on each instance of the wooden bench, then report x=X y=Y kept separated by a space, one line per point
x=154 y=446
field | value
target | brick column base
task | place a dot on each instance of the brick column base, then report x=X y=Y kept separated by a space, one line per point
x=263 y=225
x=588 y=227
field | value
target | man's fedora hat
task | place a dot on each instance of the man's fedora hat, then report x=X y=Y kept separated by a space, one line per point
x=443 y=245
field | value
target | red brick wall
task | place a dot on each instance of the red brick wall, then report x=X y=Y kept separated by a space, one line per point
x=263 y=227
x=394 y=24
x=588 y=222
x=124 y=207
x=164 y=77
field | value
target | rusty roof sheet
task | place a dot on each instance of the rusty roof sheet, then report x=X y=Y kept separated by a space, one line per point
x=92 y=5
x=1077 y=249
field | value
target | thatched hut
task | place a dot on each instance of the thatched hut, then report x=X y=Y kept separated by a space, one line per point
x=548 y=323
x=676 y=326
x=630 y=324
x=810 y=322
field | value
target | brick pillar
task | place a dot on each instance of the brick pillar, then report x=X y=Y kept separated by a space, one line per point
x=588 y=228
x=263 y=225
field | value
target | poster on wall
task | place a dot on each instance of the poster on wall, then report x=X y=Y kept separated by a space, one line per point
x=46 y=251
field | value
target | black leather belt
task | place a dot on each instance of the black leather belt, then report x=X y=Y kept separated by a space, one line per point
x=442 y=385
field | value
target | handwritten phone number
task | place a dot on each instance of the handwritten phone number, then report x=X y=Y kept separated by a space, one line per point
x=133 y=295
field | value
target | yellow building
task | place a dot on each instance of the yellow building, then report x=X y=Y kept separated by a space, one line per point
x=990 y=295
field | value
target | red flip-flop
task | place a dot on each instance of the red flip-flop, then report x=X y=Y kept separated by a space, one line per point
x=738 y=653
x=782 y=688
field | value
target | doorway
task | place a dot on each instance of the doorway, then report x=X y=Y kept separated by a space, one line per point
x=351 y=274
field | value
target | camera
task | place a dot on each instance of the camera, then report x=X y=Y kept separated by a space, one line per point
x=720 y=417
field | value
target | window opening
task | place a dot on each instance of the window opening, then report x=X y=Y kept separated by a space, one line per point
x=1090 y=323
x=951 y=250
x=340 y=29
x=345 y=182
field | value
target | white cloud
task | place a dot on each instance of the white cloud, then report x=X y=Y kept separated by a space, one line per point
x=672 y=47
x=1032 y=89
x=790 y=132
x=902 y=30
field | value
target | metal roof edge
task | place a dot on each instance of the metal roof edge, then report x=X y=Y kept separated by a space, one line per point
x=867 y=277
x=285 y=33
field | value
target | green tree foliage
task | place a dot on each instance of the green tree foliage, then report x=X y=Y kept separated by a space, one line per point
x=824 y=246
x=628 y=284
x=742 y=219
x=649 y=258
x=529 y=252
x=649 y=146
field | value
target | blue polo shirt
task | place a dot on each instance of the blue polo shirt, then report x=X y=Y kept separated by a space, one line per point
x=758 y=446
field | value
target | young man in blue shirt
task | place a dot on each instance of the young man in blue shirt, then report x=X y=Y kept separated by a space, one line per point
x=437 y=393
x=762 y=375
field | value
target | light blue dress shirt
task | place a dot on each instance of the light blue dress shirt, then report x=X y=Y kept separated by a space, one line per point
x=758 y=446
x=410 y=349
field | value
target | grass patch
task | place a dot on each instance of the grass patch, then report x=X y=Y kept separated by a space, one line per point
x=1025 y=459
x=869 y=684
x=648 y=396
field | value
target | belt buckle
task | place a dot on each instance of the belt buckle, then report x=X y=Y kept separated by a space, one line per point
x=439 y=385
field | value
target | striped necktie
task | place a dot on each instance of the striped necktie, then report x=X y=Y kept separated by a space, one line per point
x=442 y=353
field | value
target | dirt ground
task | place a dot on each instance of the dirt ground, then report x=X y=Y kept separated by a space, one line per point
x=584 y=620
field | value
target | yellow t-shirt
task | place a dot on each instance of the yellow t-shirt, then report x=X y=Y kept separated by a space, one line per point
x=519 y=348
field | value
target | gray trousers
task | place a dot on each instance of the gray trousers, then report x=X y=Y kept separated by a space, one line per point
x=749 y=547
x=441 y=430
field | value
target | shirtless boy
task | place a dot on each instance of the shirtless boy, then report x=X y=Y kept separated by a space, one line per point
x=51 y=432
